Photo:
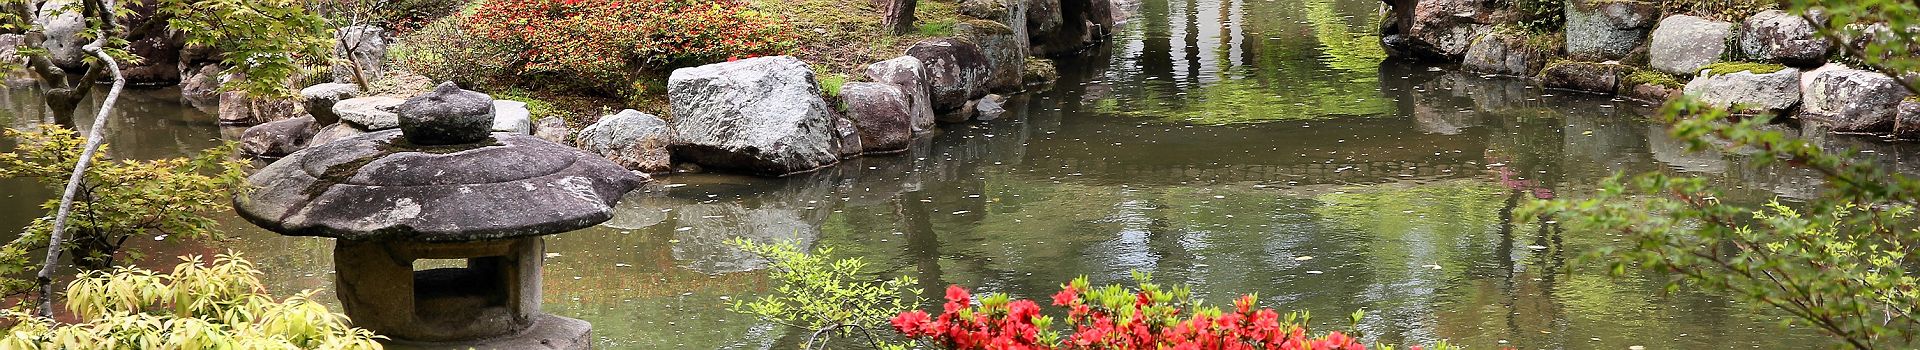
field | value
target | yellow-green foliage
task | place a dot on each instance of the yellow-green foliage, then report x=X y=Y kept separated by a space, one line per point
x=1724 y=68
x=1652 y=77
x=119 y=199
x=222 y=306
x=818 y=294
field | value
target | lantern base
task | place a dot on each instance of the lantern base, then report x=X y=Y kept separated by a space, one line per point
x=549 y=332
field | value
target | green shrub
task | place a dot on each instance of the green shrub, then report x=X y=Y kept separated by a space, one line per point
x=119 y=200
x=825 y=296
x=605 y=47
x=1540 y=16
x=223 y=306
x=447 y=50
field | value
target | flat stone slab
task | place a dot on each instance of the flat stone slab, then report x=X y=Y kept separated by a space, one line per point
x=549 y=332
x=379 y=187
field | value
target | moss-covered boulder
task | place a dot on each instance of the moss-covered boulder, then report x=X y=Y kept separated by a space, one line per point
x=1599 y=78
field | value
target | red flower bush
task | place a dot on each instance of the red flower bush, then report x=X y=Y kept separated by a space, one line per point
x=613 y=42
x=1147 y=317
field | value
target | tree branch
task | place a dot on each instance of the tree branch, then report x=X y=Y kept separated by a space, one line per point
x=56 y=238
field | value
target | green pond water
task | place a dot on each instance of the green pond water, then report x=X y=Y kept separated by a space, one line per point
x=1218 y=144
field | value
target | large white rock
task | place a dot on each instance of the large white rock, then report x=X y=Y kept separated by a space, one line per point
x=760 y=115
x=63 y=23
x=1852 y=100
x=1751 y=92
x=1682 y=44
x=513 y=117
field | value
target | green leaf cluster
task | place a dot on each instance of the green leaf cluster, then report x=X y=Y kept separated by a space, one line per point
x=831 y=297
x=268 y=42
x=118 y=199
x=222 y=306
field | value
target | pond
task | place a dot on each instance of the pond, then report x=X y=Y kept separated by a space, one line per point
x=1238 y=146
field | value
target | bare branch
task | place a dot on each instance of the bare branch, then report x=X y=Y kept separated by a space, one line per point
x=57 y=238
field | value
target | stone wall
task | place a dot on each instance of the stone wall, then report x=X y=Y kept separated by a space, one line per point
x=1766 y=62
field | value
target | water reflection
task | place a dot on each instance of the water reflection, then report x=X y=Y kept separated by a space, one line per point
x=1236 y=145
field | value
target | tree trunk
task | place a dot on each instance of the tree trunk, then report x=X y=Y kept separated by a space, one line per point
x=899 y=15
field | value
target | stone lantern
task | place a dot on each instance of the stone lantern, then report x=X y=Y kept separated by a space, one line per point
x=445 y=187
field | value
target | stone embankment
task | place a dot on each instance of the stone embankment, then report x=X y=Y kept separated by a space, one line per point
x=1765 y=62
x=769 y=115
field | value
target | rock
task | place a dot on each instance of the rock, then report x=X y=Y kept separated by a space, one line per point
x=1853 y=100
x=238 y=109
x=1599 y=78
x=762 y=115
x=63 y=23
x=378 y=187
x=1683 y=44
x=907 y=73
x=159 y=50
x=631 y=139
x=201 y=86
x=1600 y=30
x=10 y=48
x=1040 y=72
x=279 y=138
x=1504 y=54
x=1436 y=30
x=1906 y=123
x=1806 y=78
x=335 y=132
x=846 y=137
x=1649 y=93
x=1748 y=91
x=319 y=100
x=513 y=117
x=953 y=68
x=1044 y=19
x=448 y=115
x=990 y=107
x=881 y=113
x=555 y=129
x=1005 y=49
x=366 y=45
x=961 y=115
x=1780 y=37
x=372 y=113
x=1060 y=27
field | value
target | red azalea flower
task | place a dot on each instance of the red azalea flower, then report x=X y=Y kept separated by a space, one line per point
x=910 y=323
x=958 y=295
x=1066 y=297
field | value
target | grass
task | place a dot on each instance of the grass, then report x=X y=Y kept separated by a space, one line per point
x=1724 y=68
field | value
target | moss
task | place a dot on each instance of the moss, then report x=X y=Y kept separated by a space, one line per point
x=1724 y=68
x=936 y=28
x=1653 y=77
x=537 y=107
